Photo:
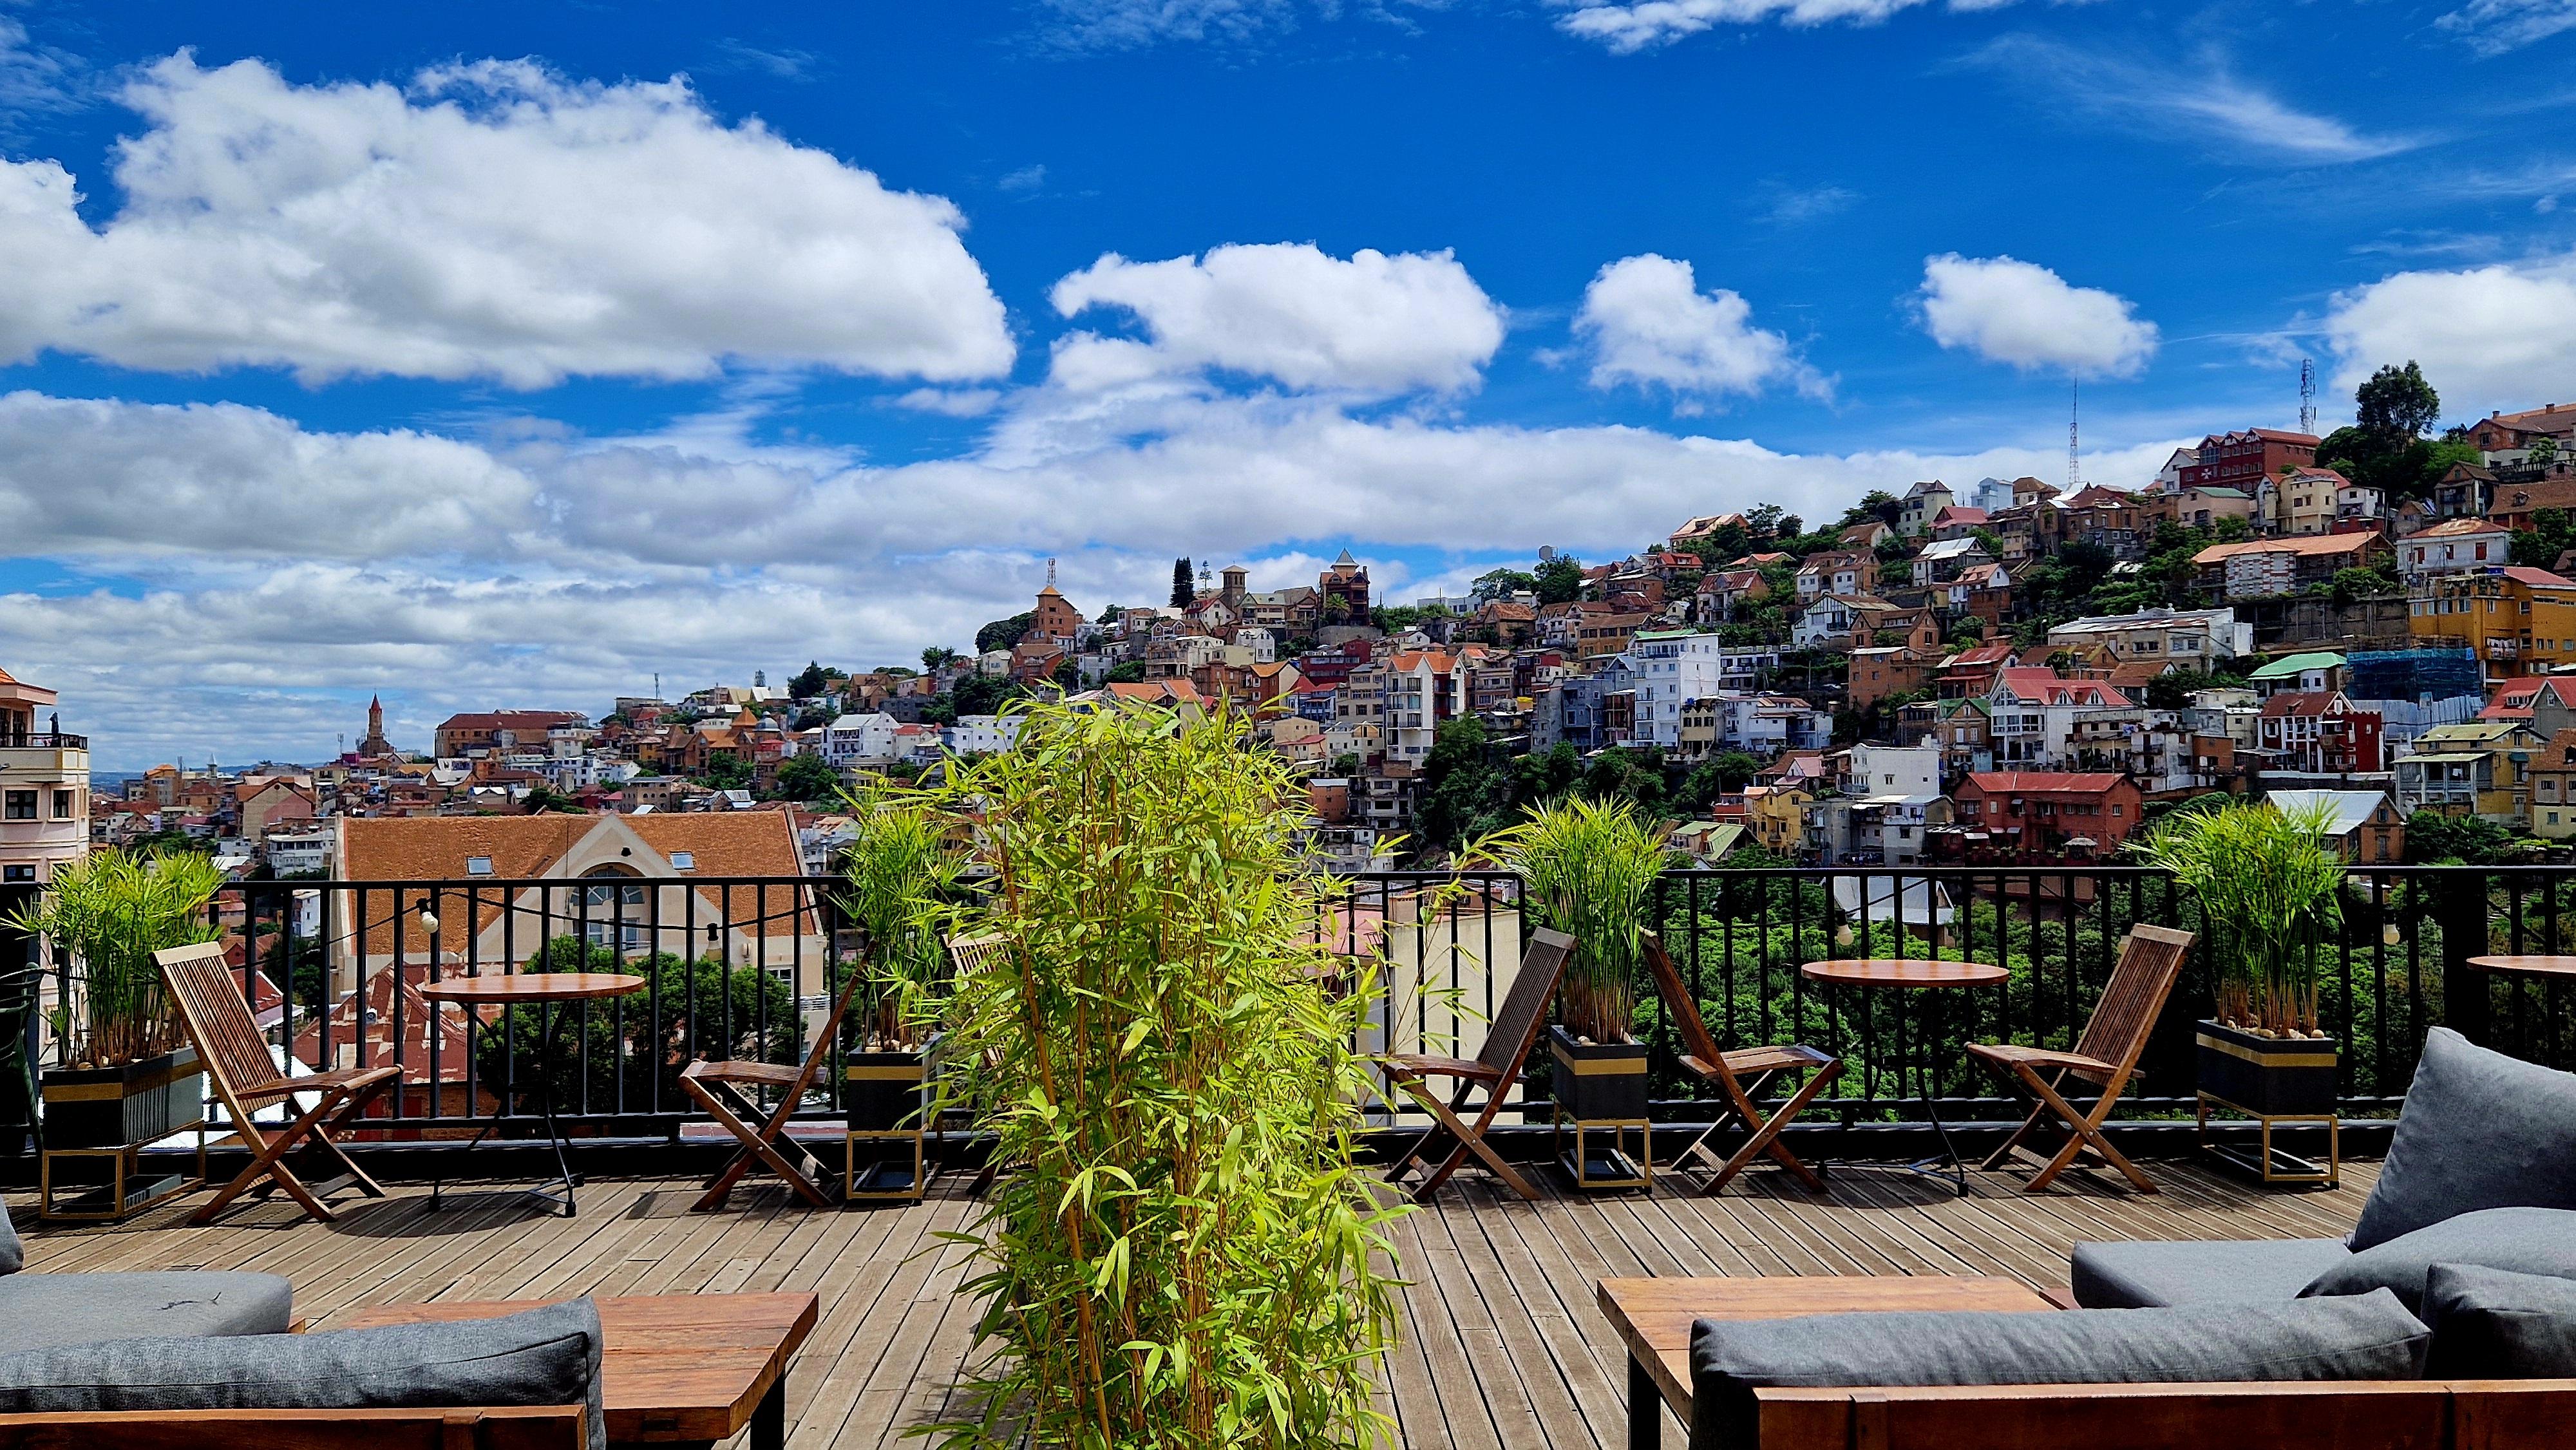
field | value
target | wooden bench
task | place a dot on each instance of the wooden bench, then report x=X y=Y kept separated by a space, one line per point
x=1653 y=1318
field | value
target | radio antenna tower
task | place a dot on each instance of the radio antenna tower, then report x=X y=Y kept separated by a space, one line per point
x=2074 y=415
x=2308 y=395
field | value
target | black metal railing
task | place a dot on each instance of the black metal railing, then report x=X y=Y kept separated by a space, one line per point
x=743 y=967
x=45 y=740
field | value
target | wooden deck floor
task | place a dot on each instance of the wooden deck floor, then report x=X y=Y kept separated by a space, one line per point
x=1503 y=1348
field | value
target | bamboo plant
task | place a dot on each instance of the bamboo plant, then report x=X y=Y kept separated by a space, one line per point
x=1588 y=868
x=1184 y=1251
x=110 y=911
x=2269 y=888
x=900 y=870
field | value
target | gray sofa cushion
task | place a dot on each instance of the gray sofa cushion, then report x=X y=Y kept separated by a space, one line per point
x=2524 y=1240
x=2154 y=1274
x=38 y=1311
x=547 y=1356
x=2371 y=1337
x=2479 y=1130
x=13 y=1255
x=2491 y=1324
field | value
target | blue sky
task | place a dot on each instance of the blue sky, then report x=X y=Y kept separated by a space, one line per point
x=483 y=354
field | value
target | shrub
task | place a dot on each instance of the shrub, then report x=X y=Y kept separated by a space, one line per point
x=111 y=911
x=1180 y=1252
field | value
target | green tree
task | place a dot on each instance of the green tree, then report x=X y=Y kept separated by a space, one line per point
x=1502 y=583
x=542 y=800
x=2353 y=584
x=936 y=656
x=810 y=681
x=806 y=777
x=1464 y=791
x=1185 y=586
x=1633 y=772
x=1559 y=580
x=1003 y=633
x=1764 y=519
x=983 y=694
x=2468 y=840
x=1877 y=504
x=2396 y=404
x=1127 y=672
x=2543 y=451
x=1346 y=764
x=726 y=772
x=2550 y=534
x=701 y=1008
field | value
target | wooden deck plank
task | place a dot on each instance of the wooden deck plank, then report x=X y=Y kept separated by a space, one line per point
x=1501 y=1342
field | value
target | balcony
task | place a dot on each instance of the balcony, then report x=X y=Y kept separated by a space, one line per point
x=48 y=740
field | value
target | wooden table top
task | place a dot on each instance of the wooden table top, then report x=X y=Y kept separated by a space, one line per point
x=1903 y=972
x=1653 y=1316
x=533 y=987
x=672 y=1366
x=2527 y=966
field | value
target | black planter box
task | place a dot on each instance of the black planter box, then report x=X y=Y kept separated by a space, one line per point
x=1598 y=1081
x=883 y=1091
x=2272 y=1076
x=108 y=1107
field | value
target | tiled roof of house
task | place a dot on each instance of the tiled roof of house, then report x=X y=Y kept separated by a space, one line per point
x=509 y=720
x=2046 y=782
x=2320 y=544
x=2457 y=528
x=2299 y=702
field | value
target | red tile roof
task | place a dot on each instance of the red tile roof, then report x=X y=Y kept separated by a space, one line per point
x=2046 y=782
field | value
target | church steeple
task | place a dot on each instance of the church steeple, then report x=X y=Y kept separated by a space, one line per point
x=375 y=744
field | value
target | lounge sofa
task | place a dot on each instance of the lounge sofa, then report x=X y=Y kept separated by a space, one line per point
x=112 y=1360
x=2447 y=1319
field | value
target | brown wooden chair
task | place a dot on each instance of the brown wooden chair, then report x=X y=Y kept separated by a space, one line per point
x=1508 y=1040
x=1728 y=1071
x=2106 y=1056
x=247 y=1078
x=724 y=1090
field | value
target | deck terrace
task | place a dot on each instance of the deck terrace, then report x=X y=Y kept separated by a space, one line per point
x=1503 y=1348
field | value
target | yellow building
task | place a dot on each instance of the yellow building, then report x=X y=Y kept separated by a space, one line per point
x=2520 y=621
x=2477 y=767
x=1778 y=817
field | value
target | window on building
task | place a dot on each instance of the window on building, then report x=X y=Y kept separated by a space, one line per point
x=63 y=803
x=17 y=805
x=17 y=873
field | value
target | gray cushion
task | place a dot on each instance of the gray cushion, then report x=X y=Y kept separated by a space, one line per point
x=41 y=1310
x=2479 y=1130
x=2524 y=1240
x=547 y=1356
x=13 y=1255
x=2491 y=1324
x=2371 y=1337
x=2155 y=1274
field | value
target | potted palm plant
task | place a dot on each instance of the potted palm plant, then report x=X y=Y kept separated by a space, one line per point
x=127 y=1075
x=900 y=876
x=1587 y=868
x=2270 y=889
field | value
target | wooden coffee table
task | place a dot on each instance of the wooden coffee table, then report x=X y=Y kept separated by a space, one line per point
x=685 y=1369
x=1654 y=1316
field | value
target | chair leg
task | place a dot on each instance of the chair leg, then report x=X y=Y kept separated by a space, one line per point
x=756 y=1148
x=1472 y=1140
x=340 y=1122
x=2082 y=1130
x=268 y=1158
x=1766 y=1140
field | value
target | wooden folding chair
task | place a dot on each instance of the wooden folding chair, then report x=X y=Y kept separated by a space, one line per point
x=1508 y=1040
x=2105 y=1056
x=1727 y=1071
x=247 y=1078
x=724 y=1090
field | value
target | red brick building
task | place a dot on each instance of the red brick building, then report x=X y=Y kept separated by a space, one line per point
x=2036 y=814
x=2245 y=458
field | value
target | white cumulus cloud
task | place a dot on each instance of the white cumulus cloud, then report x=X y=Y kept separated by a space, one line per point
x=492 y=220
x=2501 y=336
x=2015 y=312
x=1288 y=312
x=1643 y=24
x=1648 y=324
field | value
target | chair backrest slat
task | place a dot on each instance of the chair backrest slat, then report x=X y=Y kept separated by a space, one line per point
x=217 y=1016
x=2150 y=960
x=972 y=954
x=1693 y=1028
x=1515 y=1029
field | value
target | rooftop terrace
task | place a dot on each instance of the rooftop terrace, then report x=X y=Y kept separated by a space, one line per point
x=1502 y=1344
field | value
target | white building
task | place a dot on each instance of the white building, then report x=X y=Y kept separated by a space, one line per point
x=302 y=851
x=2260 y=573
x=44 y=786
x=859 y=739
x=1672 y=668
x=2454 y=546
x=2189 y=637
x=983 y=734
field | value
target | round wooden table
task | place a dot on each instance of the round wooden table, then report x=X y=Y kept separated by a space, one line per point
x=541 y=990
x=1913 y=972
x=2540 y=968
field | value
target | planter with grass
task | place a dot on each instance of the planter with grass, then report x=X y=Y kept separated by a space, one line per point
x=127 y=1077
x=1588 y=868
x=899 y=872
x=2270 y=892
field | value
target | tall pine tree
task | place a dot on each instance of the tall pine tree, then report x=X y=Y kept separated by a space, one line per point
x=1184 y=583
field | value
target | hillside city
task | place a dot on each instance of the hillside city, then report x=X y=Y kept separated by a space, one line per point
x=2380 y=619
